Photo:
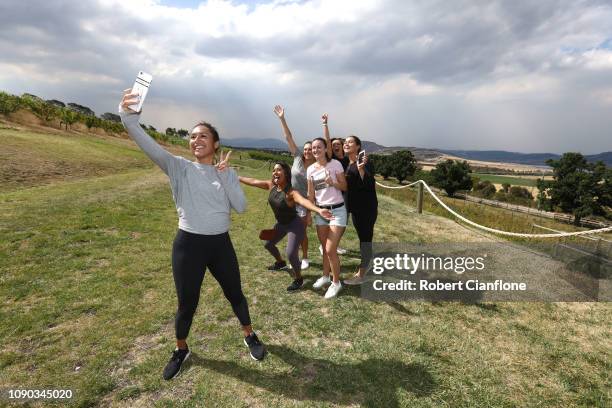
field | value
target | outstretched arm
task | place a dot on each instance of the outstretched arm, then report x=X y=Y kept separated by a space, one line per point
x=130 y=120
x=264 y=184
x=323 y=212
x=280 y=112
x=326 y=135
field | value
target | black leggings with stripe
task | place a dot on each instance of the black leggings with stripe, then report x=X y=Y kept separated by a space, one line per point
x=191 y=255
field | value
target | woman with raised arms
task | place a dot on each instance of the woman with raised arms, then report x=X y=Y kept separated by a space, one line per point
x=301 y=160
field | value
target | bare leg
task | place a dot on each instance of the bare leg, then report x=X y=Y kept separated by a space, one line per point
x=331 y=244
x=322 y=233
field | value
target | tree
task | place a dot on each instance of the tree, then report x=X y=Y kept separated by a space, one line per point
x=68 y=117
x=579 y=187
x=171 y=132
x=113 y=117
x=383 y=166
x=92 y=122
x=9 y=103
x=452 y=176
x=182 y=133
x=484 y=189
x=48 y=111
x=402 y=165
x=542 y=199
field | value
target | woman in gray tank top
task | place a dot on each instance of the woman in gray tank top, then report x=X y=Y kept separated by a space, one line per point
x=284 y=199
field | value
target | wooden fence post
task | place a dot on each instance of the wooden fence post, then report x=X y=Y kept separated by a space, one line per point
x=420 y=199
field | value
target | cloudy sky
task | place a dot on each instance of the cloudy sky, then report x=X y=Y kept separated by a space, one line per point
x=527 y=76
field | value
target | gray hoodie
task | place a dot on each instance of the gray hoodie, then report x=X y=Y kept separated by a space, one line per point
x=203 y=195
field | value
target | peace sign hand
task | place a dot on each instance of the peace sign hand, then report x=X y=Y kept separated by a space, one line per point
x=328 y=179
x=223 y=161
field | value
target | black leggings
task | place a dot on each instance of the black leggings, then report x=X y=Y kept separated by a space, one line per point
x=191 y=255
x=295 y=231
x=364 y=221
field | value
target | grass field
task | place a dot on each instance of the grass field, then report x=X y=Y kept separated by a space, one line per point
x=87 y=303
x=501 y=179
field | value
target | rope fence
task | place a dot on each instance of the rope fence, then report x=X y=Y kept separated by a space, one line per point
x=494 y=230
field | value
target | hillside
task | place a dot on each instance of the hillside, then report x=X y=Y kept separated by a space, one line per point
x=536 y=159
x=88 y=304
x=252 y=143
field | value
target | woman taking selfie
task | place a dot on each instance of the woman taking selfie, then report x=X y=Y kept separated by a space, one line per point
x=283 y=200
x=204 y=194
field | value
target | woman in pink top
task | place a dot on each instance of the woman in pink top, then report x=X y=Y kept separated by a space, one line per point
x=325 y=185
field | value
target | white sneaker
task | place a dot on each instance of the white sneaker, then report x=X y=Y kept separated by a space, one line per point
x=321 y=249
x=305 y=263
x=340 y=251
x=333 y=290
x=322 y=281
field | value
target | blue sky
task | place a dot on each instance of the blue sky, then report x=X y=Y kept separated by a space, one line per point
x=497 y=75
x=195 y=3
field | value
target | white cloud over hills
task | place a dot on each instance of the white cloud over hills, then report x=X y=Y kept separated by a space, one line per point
x=521 y=76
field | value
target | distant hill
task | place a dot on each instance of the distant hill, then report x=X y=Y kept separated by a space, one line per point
x=268 y=143
x=534 y=159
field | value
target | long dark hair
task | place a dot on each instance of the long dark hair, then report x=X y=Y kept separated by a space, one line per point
x=357 y=141
x=324 y=145
x=286 y=172
x=303 y=157
x=211 y=128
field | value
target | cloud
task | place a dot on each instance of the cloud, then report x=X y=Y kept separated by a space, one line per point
x=521 y=76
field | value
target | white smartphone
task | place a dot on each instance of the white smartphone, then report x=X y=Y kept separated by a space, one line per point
x=141 y=87
x=360 y=157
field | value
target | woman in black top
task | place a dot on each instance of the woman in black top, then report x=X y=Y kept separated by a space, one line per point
x=362 y=202
x=283 y=199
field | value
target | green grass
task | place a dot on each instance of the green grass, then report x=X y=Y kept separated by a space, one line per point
x=86 y=282
x=499 y=179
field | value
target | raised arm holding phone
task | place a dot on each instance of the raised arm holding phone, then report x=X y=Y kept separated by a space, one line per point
x=204 y=191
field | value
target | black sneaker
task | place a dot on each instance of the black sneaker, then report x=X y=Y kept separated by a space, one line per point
x=256 y=347
x=297 y=284
x=277 y=266
x=173 y=368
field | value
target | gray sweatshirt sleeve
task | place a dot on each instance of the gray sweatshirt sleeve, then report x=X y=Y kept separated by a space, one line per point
x=155 y=152
x=233 y=189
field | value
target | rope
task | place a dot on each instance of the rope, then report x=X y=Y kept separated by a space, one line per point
x=496 y=231
x=398 y=187
x=259 y=167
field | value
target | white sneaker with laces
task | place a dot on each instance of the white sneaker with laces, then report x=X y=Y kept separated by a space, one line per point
x=333 y=290
x=305 y=263
x=322 y=281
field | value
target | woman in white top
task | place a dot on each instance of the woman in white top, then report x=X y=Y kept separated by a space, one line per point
x=326 y=182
